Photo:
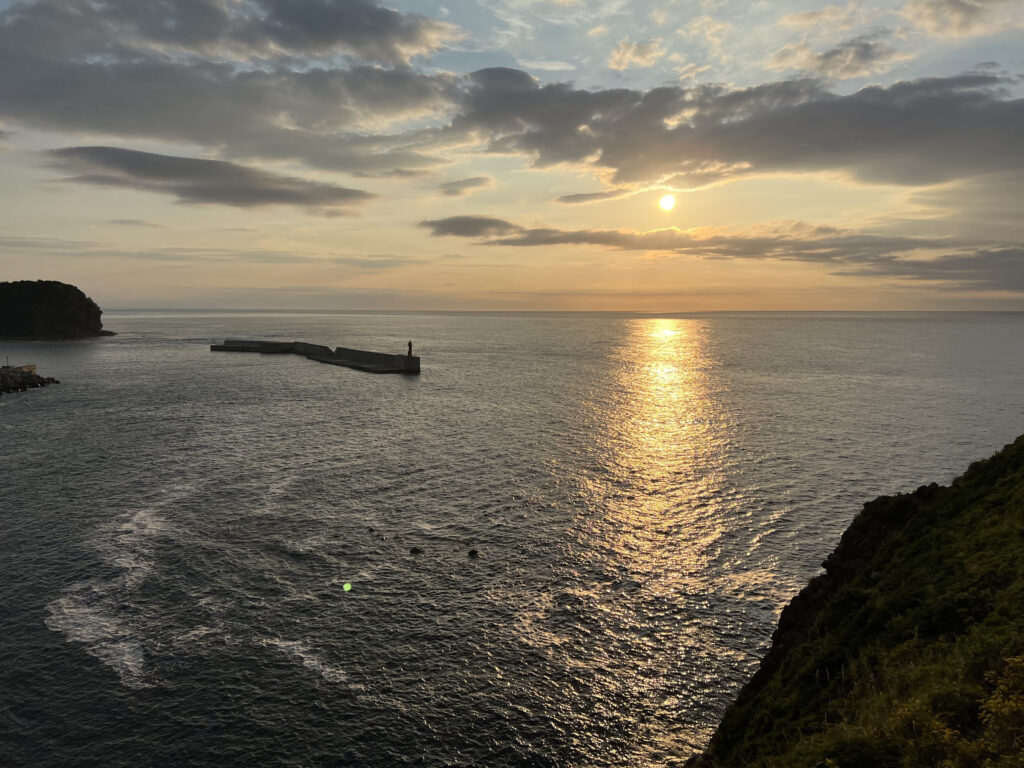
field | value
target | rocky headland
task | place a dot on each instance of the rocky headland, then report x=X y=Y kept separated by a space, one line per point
x=48 y=309
x=908 y=651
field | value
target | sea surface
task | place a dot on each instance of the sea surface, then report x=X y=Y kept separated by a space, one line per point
x=644 y=495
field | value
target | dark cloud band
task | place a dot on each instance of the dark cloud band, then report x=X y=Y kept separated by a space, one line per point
x=970 y=265
x=592 y=197
x=916 y=132
x=194 y=180
x=470 y=226
x=257 y=28
x=462 y=186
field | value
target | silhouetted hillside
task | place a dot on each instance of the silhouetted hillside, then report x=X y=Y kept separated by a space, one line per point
x=47 y=309
x=909 y=650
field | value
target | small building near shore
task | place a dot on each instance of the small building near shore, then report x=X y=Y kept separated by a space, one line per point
x=31 y=368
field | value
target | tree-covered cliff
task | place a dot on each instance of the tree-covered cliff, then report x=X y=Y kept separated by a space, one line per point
x=909 y=650
x=47 y=309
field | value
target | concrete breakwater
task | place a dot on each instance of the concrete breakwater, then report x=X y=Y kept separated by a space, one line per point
x=360 y=359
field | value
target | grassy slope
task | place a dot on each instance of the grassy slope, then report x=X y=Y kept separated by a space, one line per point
x=910 y=650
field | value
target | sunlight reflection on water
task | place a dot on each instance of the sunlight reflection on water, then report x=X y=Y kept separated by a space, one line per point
x=659 y=518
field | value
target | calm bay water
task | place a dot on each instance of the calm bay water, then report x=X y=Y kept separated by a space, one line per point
x=645 y=493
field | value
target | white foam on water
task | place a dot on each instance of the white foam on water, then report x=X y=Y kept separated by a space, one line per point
x=308 y=657
x=87 y=613
x=212 y=603
x=128 y=544
x=306 y=546
x=100 y=613
x=425 y=526
x=276 y=490
x=194 y=634
x=127 y=658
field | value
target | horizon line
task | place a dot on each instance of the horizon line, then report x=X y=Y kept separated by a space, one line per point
x=575 y=311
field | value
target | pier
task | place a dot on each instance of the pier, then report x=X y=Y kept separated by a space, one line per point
x=359 y=359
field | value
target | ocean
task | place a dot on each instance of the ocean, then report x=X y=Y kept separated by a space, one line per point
x=642 y=493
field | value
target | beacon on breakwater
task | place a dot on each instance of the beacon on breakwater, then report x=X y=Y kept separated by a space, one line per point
x=361 y=360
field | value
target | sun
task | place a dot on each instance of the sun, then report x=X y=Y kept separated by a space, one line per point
x=668 y=202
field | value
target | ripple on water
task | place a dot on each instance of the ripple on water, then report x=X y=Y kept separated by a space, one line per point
x=644 y=494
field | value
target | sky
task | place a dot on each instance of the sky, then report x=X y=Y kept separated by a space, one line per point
x=511 y=154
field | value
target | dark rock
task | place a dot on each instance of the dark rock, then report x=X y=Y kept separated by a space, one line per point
x=698 y=761
x=415 y=551
x=47 y=309
x=474 y=554
x=14 y=380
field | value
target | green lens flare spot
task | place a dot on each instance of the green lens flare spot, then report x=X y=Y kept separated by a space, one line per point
x=346 y=586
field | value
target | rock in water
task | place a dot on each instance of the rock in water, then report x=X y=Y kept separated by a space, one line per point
x=17 y=380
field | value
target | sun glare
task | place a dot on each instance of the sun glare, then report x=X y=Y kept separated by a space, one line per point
x=668 y=202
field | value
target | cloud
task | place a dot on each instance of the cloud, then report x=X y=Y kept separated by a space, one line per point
x=320 y=296
x=710 y=31
x=793 y=242
x=47 y=244
x=860 y=57
x=159 y=70
x=198 y=181
x=375 y=263
x=549 y=66
x=687 y=70
x=469 y=226
x=462 y=186
x=626 y=54
x=834 y=16
x=360 y=27
x=592 y=197
x=957 y=18
x=184 y=254
x=178 y=73
x=177 y=254
x=258 y=28
x=914 y=132
x=986 y=207
x=513 y=113
x=845 y=252
x=89 y=249
x=982 y=269
x=135 y=223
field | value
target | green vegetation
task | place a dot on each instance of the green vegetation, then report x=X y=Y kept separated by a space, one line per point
x=47 y=309
x=909 y=651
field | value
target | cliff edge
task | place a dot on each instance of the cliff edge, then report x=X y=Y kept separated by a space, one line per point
x=47 y=309
x=909 y=650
